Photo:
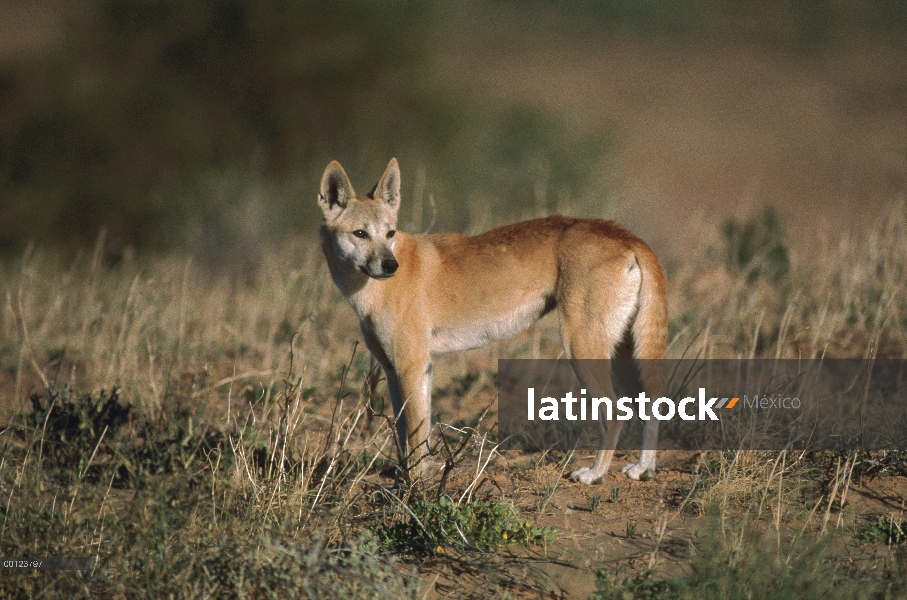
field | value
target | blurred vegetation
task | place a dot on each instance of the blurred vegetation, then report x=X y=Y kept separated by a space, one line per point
x=210 y=123
x=757 y=246
x=752 y=569
x=206 y=125
x=790 y=25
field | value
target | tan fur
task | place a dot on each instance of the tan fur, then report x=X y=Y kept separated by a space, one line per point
x=418 y=295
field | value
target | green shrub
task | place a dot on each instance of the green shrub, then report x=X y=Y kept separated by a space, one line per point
x=66 y=428
x=885 y=530
x=436 y=527
x=69 y=431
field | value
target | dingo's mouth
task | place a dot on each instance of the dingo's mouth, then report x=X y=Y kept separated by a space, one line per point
x=379 y=276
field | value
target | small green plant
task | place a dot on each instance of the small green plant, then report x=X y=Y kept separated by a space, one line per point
x=885 y=531
x=615 y=494
x=595 y=501
x=438 y=527
x=550 y=490
x=643 y=585
x=631 y=529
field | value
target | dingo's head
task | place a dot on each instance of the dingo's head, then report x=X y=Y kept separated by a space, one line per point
x=361 y=228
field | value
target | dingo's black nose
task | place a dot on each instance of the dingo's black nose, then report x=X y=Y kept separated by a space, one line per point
x=389 y=265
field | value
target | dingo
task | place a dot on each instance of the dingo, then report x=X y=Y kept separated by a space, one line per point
x=417 y=295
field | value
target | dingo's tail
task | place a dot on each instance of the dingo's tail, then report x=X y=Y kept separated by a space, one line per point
x=650 y=337
x=650 y=328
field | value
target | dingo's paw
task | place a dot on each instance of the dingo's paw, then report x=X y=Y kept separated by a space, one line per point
x=638 y=472
x=586 y=476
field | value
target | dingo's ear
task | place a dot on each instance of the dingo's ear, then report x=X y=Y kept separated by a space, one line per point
x=336 y=191
x=388 y=187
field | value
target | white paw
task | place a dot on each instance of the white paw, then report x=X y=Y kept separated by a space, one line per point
x=586 y=476
x=638 y=472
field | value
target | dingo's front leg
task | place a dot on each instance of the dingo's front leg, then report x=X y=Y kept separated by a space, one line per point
x=410 y=390
x=409 y=380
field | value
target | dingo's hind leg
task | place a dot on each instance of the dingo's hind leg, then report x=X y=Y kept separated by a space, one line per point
x=597 y=380
x=650 y=329
x=592 y=324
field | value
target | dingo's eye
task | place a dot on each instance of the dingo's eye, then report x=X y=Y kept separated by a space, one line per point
x=391 y=233
x=361 y=234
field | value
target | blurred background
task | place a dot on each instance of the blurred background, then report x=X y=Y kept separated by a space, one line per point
x=205 y=126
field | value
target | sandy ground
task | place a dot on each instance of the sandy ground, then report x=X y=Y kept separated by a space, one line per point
x=662 y=528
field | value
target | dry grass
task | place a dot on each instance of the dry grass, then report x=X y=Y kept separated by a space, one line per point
x=251 y=457
x=844 y=295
